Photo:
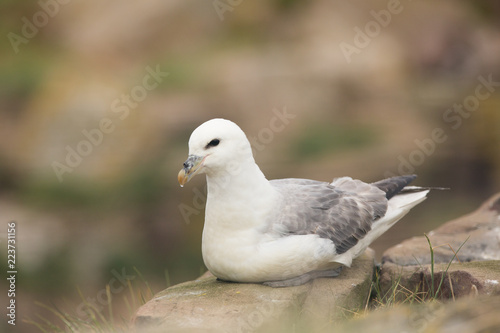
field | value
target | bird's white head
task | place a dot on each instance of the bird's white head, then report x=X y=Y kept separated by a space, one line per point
x=216 y=146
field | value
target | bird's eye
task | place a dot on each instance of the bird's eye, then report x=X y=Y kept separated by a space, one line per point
x=212 y=143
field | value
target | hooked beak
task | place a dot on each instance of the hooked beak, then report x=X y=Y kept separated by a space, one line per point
x=192 y=166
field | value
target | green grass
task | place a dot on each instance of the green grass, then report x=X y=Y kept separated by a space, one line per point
x=397 y=293
x=98 y=320
x=434 y=294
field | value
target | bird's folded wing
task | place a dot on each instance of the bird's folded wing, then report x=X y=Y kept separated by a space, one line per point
x=342 y=211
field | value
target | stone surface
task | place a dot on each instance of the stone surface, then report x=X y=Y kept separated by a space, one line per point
x=461 y=279
x=480 y=231
x=209 y=305
x=477 y=314
x=475 y=269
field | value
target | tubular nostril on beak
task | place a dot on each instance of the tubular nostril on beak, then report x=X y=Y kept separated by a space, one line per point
x=191 y=167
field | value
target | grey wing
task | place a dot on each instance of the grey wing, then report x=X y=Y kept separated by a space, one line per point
x=342 y=211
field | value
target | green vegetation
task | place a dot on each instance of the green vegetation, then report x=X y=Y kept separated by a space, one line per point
x=97 y=320
x=399 y=294
x=319 y=139
x=396 y=294
x=434 y=293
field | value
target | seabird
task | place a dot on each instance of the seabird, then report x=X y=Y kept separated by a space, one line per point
x=284 y=232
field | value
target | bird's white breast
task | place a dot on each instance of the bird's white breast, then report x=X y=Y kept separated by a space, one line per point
x=235 y=247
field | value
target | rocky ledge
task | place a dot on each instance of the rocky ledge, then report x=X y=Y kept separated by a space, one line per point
x=209 y=305
x=470 y=243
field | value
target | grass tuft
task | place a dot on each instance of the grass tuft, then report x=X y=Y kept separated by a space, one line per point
x=434 y=294
x=399 y=294
x=96 y=320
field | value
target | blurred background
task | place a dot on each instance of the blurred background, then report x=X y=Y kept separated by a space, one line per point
x=98 y=99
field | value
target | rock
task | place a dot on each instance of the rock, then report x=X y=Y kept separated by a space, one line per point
x=481 y=229
x=475 y=268
x=209 y=305
x=461 y=279
x=479 y=314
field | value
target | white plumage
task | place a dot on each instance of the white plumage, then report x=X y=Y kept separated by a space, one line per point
x=284 y=232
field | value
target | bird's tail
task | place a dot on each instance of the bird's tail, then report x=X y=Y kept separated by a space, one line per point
x=399 y=185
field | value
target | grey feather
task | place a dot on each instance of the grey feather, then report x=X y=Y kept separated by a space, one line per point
x=342 y=211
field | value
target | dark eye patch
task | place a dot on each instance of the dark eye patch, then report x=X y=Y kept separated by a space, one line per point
x=212 y=143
